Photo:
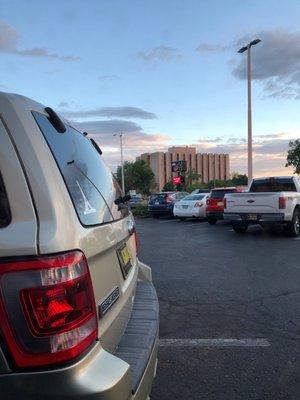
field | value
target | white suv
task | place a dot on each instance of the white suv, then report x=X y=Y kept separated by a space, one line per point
x=78 y=311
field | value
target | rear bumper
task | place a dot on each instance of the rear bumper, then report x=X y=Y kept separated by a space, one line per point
x=244 y=217
x=100 y=375
x=196 y=213
x=161 y=210
x=139 y=344
x=215 y=214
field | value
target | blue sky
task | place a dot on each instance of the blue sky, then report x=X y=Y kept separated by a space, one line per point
x=164 y=72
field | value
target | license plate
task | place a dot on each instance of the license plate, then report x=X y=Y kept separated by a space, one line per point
x=252 y=217
x=124 y=259
x=220 y=203
x=184 y=206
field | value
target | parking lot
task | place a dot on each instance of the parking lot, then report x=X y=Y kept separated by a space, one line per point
x=231 y=304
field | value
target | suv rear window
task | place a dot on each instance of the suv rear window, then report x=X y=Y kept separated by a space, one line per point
x=273 y=185
x=90 y=183
x=5 y=216
x=219 y=194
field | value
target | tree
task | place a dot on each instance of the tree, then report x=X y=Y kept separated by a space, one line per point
x=239 y=179
x=169 y=187
x=293 y=156
x=138 y=176
x=191 y=177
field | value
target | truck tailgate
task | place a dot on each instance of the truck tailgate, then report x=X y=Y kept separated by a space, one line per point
x=252 y=203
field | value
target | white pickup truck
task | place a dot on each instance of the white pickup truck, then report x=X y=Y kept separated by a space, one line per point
x=268 y=201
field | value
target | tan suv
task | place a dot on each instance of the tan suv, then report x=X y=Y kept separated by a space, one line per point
x=78 y=311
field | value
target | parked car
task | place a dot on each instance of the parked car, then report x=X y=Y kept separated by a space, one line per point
x=78 y=310
x=270 y=201
x=215 y=203
x=162 y=203
x=192 y=206
x=135 y=200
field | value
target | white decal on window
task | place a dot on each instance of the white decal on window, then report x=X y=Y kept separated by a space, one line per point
x=88 y=209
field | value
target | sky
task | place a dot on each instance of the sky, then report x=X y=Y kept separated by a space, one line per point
x=161 y=72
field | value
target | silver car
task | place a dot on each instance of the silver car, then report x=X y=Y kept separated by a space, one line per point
x=78 y=310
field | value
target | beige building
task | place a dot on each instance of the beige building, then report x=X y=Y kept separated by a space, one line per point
x=208 y=166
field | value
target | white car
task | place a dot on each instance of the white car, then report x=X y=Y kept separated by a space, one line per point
x=191 y=206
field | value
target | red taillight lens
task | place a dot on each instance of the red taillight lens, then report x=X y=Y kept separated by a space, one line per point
x=282 y=203
x=48 y=310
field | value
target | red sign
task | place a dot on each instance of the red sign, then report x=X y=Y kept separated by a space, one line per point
x=176 y=180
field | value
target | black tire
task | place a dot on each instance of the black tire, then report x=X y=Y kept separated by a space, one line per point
x=156 y=216
x=182 y=218
x=240 y=227
x=212 y=220
x=293 y=227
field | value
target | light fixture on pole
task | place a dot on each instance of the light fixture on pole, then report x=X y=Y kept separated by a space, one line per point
x=242 y=50
x=122 y=162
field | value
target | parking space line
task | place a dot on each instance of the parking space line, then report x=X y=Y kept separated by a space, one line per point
x=260 y=342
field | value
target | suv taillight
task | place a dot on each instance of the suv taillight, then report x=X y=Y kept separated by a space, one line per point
x=225 y=202
x=208 y=202
x=47 y=309
x=282 y=203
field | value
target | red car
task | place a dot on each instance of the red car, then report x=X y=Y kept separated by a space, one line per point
x=215 y=203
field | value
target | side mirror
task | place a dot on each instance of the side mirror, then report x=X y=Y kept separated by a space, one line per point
x=122 y=200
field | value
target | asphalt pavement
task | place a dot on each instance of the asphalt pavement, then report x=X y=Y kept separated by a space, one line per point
x=229 y=311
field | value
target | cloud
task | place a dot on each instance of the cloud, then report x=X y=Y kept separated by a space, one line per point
x=269 y=153
x=108 y=126
x=9 y=39
x=275 y=62
x=135 y=141
x=63 y=104
x=108 y=77
x=160 y=53
x=118 y=112
x=210 y=48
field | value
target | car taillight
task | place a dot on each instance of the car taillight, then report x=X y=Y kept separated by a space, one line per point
x=282 y=203
x=208 y=202
x=197 y=204
x=225 y=202
x=47 y=309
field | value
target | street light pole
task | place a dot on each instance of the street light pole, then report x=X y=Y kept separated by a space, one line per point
x=122 y=160
x=250 y=153
x=249 y=77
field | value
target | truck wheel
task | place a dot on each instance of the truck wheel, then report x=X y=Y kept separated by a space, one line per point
x=240 y=227
x=293 y=227
x=212 y=220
